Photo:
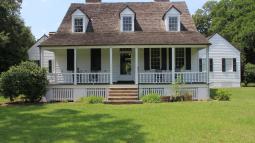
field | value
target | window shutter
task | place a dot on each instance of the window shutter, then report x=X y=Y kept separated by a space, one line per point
x=170 y=58
x=95 y=60
x=70 y=59
x=50 y=66
x=188 y=58
x=146 y=59
x=211 y=65
x=200 y=65
x=223 y=65
x=234 y=64
x=163 y=59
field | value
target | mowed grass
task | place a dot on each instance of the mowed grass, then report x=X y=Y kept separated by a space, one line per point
x=195 y=122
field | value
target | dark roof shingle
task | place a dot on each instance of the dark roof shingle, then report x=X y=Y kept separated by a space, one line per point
x=136 y=38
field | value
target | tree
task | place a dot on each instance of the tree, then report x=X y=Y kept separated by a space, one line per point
x=26 y=79
x=203 y=18
x=15 y=37
x=249 y=73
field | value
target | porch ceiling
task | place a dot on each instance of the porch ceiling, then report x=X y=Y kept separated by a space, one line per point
x=136 y=38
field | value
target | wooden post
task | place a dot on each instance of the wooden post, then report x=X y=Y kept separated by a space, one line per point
x=136 y=66
x=207 y=64
x=173 y=65
x=111 y=66
x=75 y=67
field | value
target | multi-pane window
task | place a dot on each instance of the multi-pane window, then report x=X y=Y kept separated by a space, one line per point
x=173 y=23
x=229 y=65
x=155 y=58
x=78 y=25
x=180 y=58
x=127 y=23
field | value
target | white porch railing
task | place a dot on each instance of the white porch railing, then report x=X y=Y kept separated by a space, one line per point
x=61 y=78
x=82 y=78
x=93 y=78
x=155 y=77
x=191 y=77
x=166 y=77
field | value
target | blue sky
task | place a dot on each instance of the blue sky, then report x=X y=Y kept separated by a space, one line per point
x=45 y=16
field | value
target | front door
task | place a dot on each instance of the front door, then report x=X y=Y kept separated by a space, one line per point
x=126 y=64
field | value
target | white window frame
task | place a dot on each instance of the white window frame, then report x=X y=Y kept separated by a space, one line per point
x=83 y=22
x=79 y=15
x=127 y=13
x=177 y=28
x=229 y=64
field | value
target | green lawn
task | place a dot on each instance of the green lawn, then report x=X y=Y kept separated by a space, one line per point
x=198 y=122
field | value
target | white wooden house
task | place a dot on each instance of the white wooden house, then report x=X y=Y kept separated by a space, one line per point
x=224 y=63
x=123 y=51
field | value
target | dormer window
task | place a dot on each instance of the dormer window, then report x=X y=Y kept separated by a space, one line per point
x=172 y=20
x=79 y=22
x=127 y=18
x=173 y=23
x=78 y=25
x=127 y=23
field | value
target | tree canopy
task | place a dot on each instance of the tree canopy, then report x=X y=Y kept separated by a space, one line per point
x=234 y=20
x=15 y=37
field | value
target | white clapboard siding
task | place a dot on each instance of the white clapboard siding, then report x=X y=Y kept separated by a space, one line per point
x=221 y=48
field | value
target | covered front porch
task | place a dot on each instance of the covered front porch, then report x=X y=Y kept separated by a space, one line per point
x=162 y=64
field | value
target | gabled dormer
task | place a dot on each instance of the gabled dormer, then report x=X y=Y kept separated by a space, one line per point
x=127 y=20
x=172 y=19
x=79 y=21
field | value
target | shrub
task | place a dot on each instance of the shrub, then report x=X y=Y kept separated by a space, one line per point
x=151 y=98
x=249 y=73
x=92 y=100
x=26 y=79
x=221 y=95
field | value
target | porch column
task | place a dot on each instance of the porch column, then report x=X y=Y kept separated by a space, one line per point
x=173 y=65
x=136 y=67
x=207 y=64
x=75 y=67
x=111 y=66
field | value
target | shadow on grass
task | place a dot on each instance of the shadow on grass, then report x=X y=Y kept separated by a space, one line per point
x=65 y=125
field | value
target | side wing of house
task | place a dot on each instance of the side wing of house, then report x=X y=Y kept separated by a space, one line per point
x=224 y=63
x=34 y=54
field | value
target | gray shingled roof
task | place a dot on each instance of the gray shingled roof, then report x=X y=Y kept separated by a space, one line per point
x=104 y=26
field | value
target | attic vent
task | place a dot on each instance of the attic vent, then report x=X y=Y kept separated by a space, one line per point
x=93 y=1
x=162 y=0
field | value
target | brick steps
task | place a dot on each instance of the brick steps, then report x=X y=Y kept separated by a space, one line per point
x=123 y=96
x=124 y=102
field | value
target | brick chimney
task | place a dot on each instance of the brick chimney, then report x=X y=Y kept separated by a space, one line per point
x=162 y=0
x=93 y=1
x=51 y=33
